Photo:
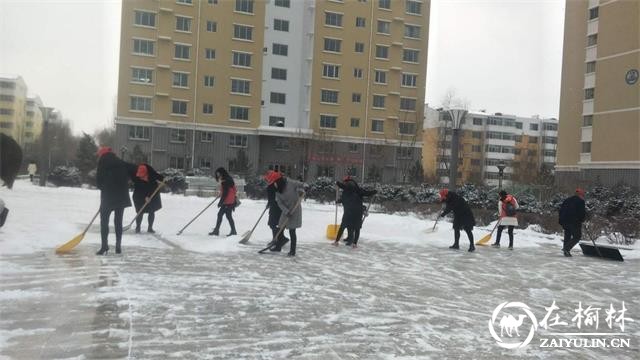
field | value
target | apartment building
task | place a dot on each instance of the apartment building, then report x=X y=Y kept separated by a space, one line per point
x=309 y=87
x=20 y=115
x=526 y=145
x=599 y=129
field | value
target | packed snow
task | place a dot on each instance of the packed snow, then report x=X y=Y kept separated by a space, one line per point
x=401 y=294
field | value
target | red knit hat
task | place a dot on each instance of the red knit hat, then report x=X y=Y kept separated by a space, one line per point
x=272 y=176
x=143 y=172
x=443 y=194
x=103 y=150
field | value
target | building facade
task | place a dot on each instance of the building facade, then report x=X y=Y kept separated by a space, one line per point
x=527 y=146
x=311 y=87
x=20 y=115
x=599 y=129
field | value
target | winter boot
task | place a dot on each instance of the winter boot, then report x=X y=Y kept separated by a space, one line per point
x=215 y=232
x=495 y=245
x=137 y=229
x=151 y=231
x=102 y=251
x=472 y=248
x=3 y=216
x=292 y=248
x=454 y=246
x=233 y=232
x=566 y=253
x=118 y=249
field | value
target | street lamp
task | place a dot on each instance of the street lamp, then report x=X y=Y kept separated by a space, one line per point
x=44 y=141
x=457 y=116
x=501 y=165
x=123 y=152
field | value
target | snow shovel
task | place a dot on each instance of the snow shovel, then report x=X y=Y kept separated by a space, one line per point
x=487 y=238
x=332 y=229
x=433 y=229
x=144 y=206
x=247 y=235
x=284 y=225
x=68 y=246
x=197 y=216
x=603 y=251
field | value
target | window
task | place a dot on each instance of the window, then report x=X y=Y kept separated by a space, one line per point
x=283 y=3
x=282 y=144
x=183 y=24
x=589 y=93
x=407 y=104
x=209 y=80
x=329 y=96
x=182 y=52
x=212 y=26
x=7 y=85
x=549 y=140
x=280 y=49
x=332 y=45
x=377 y=125
x=331 y=71
x=380 y=77
x=333 y=19
x=209 y=54
x=357 y=73
x=476 y=134
x=378 y=101
x=356 y=97
x=140 y=103
x=144 y=76
x=359 y=47
x=587 y=120
x=9 y=98
x=239 y=113
x=476 y=148
x=518 y=138
x=29 y=124
x=326 y=171
x=376 y=150
x=412 y=31
x=206 y=136
x=355 y=122
x=531 y=152
x=207 y=108
x=238 y=140
x=4 y=124
x=176 y=162
x=477 y=121
x=591 y=67
x=188 y=2
x=212 y=2
x=518 y=125
x=242 y=32
x=280 y=25
x=180 y=79
x=328 y=121
x=409 y=80
x=409 y=55
x=239 y=86
x=178 y=107
x=139 y=133
x=279 y=74
x=245 y=6
x=178 y=136
x=276 y=121
x=204 y=163
x=144 y=18
x=533 y=127
x=413 y=7
x=384 y=27
x=592 y=40
x=360 y=22
x=143 y=47
x=404 y=152
x=406 y=128
x=593 y=13
x=241 y=59
x=278 y=98
x=586 y=147
x=353 y=147
x=384 y=4
x=382 y=52
x=550 y=153
x=550 y=126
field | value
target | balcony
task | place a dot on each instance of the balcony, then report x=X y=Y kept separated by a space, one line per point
x=592 y=27
x=587 y=107
x=591 y=53
x=586 y=134
x=590 y=80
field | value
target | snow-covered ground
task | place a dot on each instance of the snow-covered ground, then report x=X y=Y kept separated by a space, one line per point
x=402 y=294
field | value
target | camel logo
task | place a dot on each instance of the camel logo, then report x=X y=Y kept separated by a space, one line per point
x=509 y=325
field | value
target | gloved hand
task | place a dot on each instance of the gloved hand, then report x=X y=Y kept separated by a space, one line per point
x=290 y=213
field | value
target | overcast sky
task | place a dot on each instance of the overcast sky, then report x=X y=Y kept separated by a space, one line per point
x=499 y=55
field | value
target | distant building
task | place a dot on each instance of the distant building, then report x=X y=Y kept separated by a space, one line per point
x=599 y=130
x=20 y=115
x=526 y=145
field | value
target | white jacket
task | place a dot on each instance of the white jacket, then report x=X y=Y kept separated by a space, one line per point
x=504 y=219
x=32 y=169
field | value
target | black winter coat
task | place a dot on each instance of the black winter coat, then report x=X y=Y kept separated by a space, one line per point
x=112 y=179
x=274 y=210
x=462 y=215
x=351 y=200
x=572 y=211
x=142 y=189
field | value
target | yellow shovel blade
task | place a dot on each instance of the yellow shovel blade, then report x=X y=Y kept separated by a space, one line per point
x=332 y=231
x=484 y=240
x=65 y=248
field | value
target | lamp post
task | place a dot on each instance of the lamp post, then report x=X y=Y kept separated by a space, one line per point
x=457 y=116
x=501 y=165
x=123 y=152
x=44 y=145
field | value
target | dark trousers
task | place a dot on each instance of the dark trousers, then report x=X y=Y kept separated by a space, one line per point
x=456 y=237
x=281 y=238
x=104 y=226
x=151 y=216
x=228 y=211
x=353 y=234
x=572 y=235
x=510 y=231
x=31 y=178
